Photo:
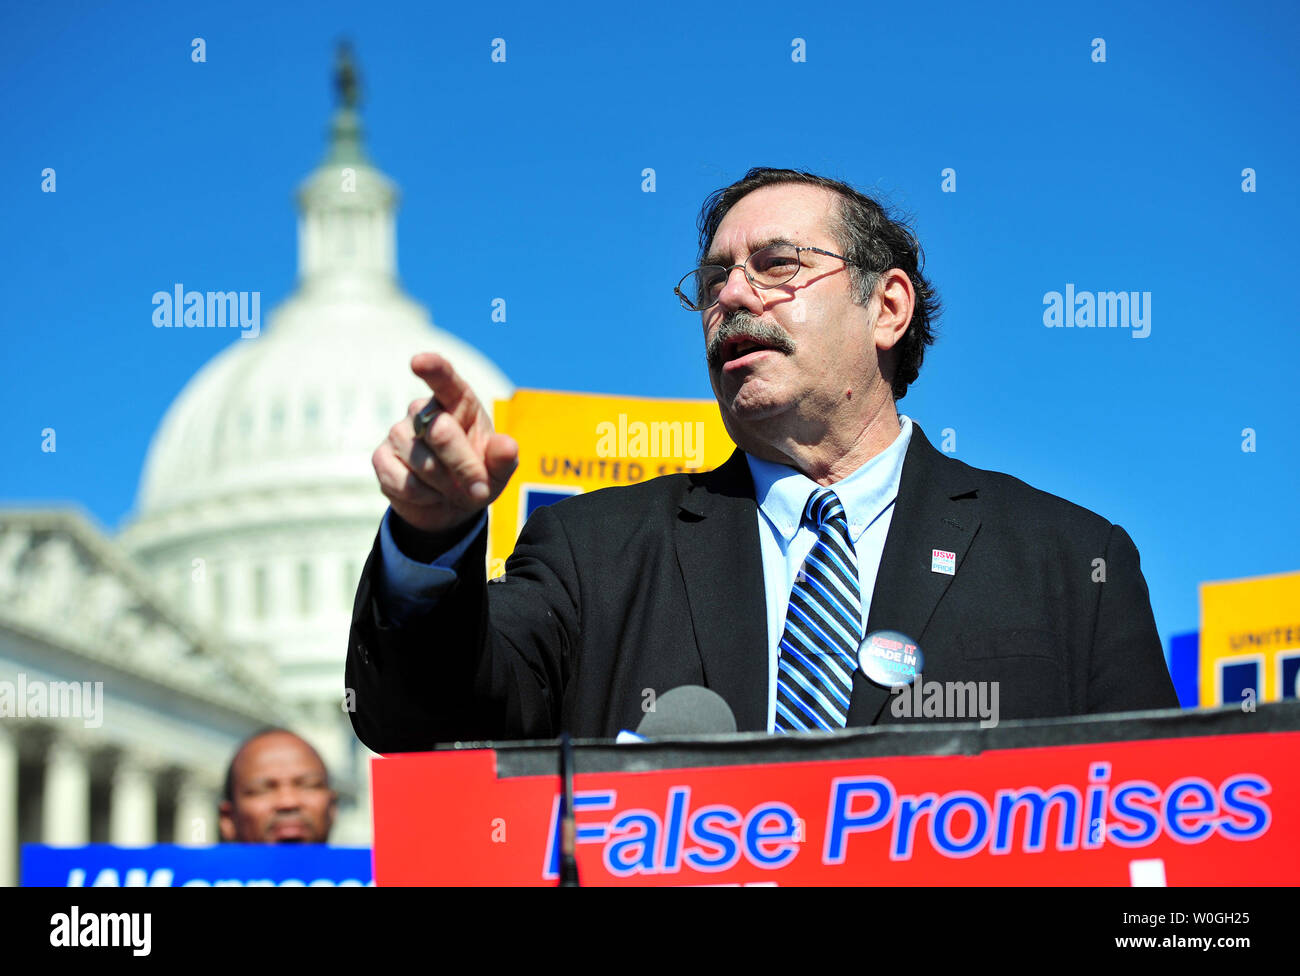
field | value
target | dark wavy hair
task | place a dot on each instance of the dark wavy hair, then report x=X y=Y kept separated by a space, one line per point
x=871 y=237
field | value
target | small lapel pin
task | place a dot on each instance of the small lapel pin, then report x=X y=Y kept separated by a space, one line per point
x=943 y=561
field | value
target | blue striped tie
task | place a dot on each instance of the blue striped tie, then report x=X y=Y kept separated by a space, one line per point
x=823 y=627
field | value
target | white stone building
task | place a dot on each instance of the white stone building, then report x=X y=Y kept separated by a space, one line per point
x=224 y=604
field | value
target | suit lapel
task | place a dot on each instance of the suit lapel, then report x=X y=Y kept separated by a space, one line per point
x=722 y=567
x=937 y=508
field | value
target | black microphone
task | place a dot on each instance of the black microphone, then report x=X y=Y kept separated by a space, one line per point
x=568 y=828
x=688 y=710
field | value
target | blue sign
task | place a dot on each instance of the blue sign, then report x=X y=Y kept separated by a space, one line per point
x=1240 y=678
x=535 y=498
x=1185 y=668
x=1288 y=664
x=220 y=866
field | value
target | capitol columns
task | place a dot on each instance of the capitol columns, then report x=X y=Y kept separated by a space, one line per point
x=196 y=813
x=8 y=804
x=65 y=811
x=133 y=803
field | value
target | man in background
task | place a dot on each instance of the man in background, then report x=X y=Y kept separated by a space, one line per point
x=277 y=792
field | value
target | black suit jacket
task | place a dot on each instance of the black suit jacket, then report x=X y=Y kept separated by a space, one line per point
x=623 y=591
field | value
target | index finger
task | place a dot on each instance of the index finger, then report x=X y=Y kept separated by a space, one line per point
x=449 y=390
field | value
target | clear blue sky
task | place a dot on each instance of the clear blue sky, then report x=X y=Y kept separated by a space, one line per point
x=523 y=180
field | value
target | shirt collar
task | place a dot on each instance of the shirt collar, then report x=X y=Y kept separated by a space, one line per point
x=782 y=491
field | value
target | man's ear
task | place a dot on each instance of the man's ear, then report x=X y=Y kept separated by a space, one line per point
x=226 y=820
x=896 y=299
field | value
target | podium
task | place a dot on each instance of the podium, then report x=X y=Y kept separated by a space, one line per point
x=1203 y=798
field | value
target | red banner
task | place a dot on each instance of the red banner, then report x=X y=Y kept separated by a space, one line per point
x=1205 y=810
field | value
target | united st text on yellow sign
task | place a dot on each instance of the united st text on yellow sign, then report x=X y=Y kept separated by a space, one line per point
x=570 y=443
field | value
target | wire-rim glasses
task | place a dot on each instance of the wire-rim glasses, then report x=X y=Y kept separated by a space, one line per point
x=768 y=267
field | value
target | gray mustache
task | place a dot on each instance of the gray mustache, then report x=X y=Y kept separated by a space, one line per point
x=744 y=324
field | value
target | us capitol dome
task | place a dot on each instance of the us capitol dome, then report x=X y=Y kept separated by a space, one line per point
x=261 y=468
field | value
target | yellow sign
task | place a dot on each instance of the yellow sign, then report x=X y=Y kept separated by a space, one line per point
x=1250 y=640
x=575 y=442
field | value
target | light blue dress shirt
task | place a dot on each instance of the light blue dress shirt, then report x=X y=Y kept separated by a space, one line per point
x=407 y=584
x=782 y=492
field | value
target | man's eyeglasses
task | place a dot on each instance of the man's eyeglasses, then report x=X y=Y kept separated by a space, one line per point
x=768 y=268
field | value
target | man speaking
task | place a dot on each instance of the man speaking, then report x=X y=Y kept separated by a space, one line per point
x=835 y=519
